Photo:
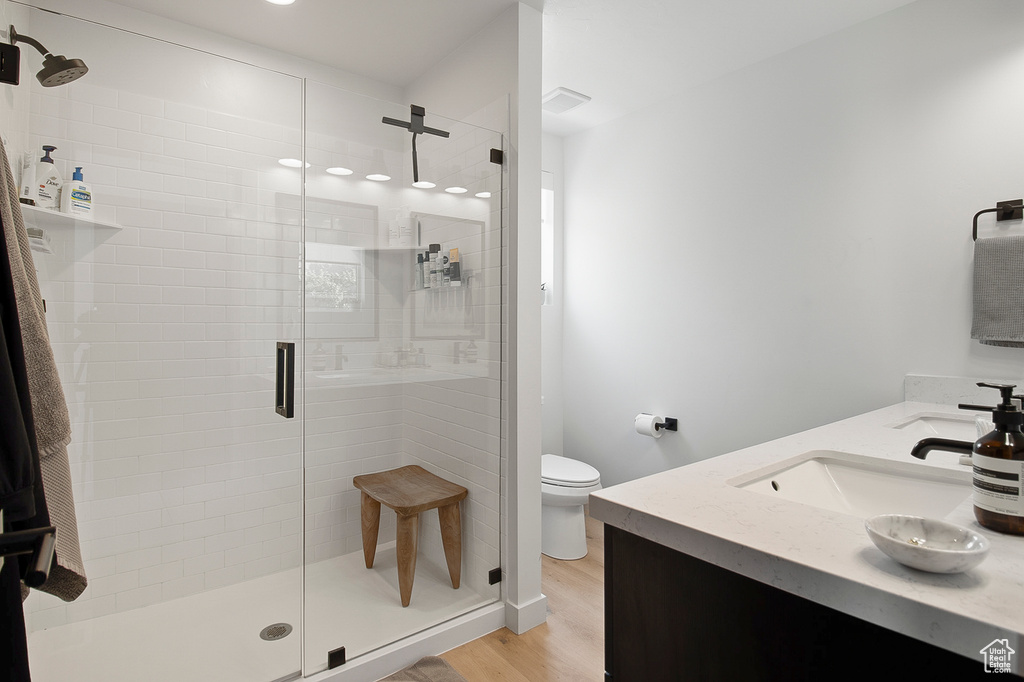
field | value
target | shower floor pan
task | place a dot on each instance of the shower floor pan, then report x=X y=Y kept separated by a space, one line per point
x=215 y=635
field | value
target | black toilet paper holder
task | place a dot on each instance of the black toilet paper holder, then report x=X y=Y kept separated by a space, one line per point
x=671 y=424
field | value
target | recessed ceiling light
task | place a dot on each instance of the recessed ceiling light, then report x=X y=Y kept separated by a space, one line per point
x=561 y=100
x=483 y=195
x=378 y=177
x=291 y=163
x=280 y=2
x=338 y=170
x=423 y=184
x=456 y=190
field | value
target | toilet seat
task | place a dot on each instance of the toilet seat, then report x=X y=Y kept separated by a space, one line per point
x=567 y=473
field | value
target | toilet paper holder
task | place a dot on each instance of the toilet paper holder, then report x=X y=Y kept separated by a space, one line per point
x=671 y=424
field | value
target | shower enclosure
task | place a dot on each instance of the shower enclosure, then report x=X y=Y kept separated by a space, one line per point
x=222 y=538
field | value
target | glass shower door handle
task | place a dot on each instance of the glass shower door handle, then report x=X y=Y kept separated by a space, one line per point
x=284 y=390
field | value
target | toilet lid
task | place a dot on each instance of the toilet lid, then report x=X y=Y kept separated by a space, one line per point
x=567 y=472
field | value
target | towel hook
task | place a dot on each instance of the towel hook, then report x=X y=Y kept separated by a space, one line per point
x=1008 y=210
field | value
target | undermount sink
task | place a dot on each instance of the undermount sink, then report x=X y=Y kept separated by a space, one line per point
x=935 y=424
x=860 y=486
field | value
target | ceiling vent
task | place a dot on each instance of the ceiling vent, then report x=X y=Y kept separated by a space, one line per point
x=561 y=100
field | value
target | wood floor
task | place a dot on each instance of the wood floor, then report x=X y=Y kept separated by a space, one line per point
x=569 y=646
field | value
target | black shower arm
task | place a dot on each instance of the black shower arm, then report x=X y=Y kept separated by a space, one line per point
x=19 y=38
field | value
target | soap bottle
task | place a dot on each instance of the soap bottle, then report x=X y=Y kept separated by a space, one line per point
x=999 y=468
x=76 y=195
x=48 y=181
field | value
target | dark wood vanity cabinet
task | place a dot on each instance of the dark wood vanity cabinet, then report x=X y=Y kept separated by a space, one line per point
x=672 y=617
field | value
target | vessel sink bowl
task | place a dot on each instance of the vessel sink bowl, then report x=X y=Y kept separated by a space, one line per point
x=934 y=424
x=860 y=486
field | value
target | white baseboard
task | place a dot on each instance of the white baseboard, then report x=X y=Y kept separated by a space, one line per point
x=405 y=652
x=522 y=617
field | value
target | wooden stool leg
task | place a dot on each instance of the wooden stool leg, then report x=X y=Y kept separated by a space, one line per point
x=451 y=538
x=407 y=539
x=369 y=516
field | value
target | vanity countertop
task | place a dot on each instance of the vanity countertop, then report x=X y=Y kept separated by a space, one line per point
x=826 y=556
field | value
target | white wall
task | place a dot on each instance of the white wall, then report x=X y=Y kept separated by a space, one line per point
x=776 y=249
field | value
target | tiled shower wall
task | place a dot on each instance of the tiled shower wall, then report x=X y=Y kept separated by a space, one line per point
x=164 y=332
x=443 y=416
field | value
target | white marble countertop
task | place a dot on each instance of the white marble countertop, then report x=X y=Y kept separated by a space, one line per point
x=826 y=556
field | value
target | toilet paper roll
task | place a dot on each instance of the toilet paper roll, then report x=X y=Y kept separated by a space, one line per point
x=647 y=424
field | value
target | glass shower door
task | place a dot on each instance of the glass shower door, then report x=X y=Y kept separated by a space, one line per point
x=164 y=314
x=403 y=371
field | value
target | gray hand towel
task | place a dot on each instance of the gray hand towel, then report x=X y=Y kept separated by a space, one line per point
x=999 y=291
x=49 y=407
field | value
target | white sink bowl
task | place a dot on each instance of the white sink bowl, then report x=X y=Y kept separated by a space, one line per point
x=938 y=425
x=860 y=486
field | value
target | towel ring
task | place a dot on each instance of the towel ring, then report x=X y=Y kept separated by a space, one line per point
x=1008 y=210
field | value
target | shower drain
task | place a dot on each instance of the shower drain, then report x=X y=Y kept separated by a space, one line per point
x=276 y=631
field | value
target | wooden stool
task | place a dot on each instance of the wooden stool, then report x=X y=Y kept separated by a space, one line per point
x=408 y=491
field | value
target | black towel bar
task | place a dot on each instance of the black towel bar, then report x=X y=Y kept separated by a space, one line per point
x=40 y=543
x=1007 y=210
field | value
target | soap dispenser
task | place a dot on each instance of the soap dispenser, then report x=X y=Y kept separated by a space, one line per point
x=999 y=468
x=48 y=181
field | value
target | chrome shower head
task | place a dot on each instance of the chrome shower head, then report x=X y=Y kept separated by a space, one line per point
x=57 y=69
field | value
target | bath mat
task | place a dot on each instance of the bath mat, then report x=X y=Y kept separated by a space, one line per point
x=427 y=669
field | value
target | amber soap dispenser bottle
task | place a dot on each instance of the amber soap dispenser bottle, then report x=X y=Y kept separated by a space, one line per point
x=999 y=468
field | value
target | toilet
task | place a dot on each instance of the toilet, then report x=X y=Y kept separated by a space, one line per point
x=564 y=486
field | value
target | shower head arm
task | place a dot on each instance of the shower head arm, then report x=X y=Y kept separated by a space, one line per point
x=19 y=38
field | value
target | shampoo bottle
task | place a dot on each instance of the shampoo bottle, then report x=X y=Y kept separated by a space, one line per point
x=76 y=195
x=999 y=468
x=48 y=181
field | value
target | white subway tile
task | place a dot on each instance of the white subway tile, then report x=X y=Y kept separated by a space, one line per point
x=160 y=573
x=114 y=118
x=162 y=201
x=141 y=104
x=185 y=113
x=126 y=139
x=91 y=133
x=182 y=550
x=140 y=179
x=135 y=599
x=91 y=94
x=162 y=127
x=182 y=149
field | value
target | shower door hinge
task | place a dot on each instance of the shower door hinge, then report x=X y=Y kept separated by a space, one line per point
x=494 y=576
x=335 y=658
x=497 y=156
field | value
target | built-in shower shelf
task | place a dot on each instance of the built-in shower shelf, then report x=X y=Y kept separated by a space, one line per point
x=54 y=220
